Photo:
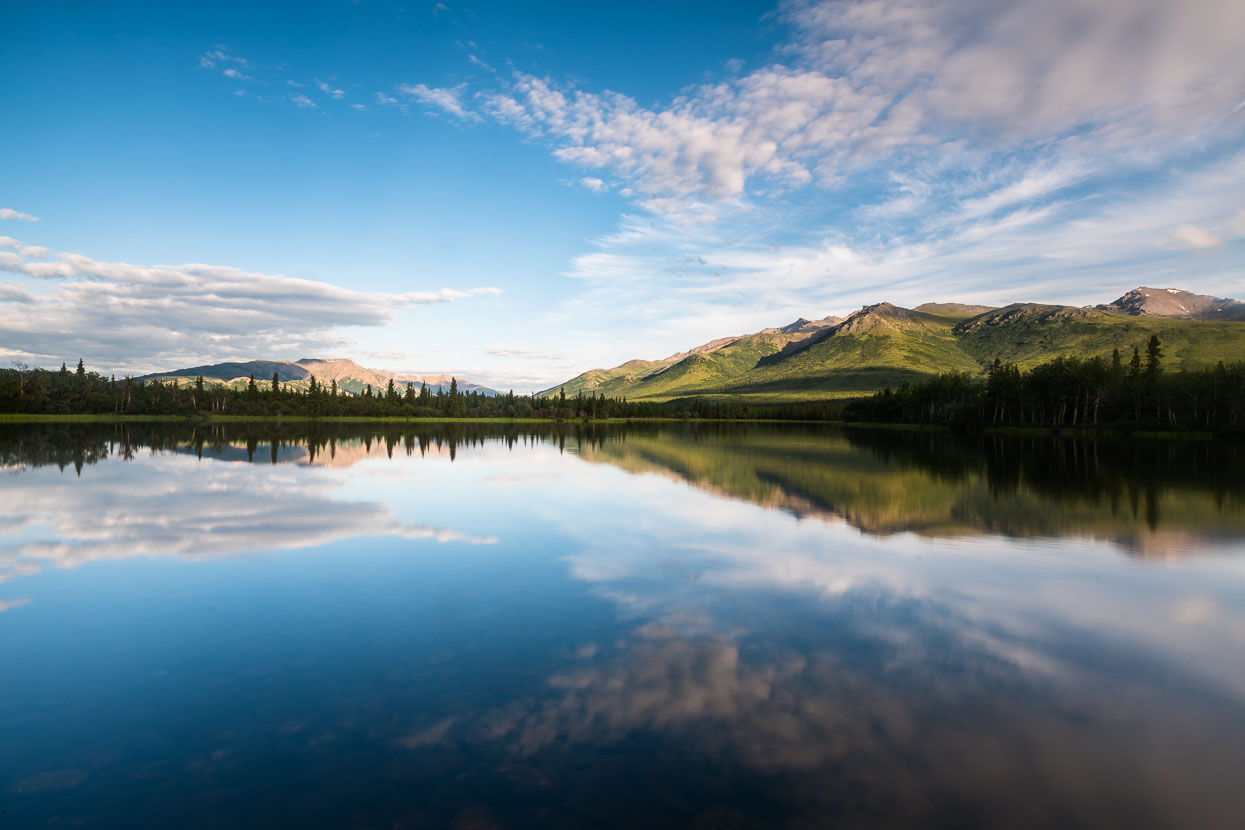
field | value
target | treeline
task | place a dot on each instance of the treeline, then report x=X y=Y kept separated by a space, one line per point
x=1071 y=392
x=65 y=391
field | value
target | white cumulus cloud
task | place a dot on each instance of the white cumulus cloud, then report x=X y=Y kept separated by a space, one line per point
x=28 y=251
x=132 y=317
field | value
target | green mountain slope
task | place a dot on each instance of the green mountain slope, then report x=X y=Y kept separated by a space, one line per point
x=1027 y=334
x=885 y=345
x=613 y=383
x=709 y=364
x=881 y=345
x=713 y=370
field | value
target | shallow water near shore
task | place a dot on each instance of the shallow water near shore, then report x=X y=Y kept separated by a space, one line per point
x=659 y=625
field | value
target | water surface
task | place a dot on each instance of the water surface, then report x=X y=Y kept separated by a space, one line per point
x=660 y=626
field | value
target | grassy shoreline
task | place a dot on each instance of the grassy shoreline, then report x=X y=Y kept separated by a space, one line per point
x=1106 y=431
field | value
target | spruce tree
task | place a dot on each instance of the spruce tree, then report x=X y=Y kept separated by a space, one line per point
x=79 y=384
x=458 y=406
x=1154 y=356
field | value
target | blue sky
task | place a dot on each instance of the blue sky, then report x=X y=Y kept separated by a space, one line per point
x=518 y=192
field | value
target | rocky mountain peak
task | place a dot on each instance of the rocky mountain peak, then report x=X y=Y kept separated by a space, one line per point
x=1175 y=302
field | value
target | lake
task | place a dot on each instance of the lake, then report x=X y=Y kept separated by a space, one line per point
x=703 y=625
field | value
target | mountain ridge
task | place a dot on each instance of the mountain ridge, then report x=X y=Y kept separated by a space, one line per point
x=1175 y=302
x=723 y=356
x=884 y=344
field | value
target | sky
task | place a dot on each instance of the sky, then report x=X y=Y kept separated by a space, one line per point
x=518 y=192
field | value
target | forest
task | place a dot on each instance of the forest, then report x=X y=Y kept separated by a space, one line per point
x=1070 y=392
x=66 y=391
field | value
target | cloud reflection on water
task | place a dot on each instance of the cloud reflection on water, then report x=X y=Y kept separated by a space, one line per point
x=175 y=506
x=945 y=740
x=930 y=670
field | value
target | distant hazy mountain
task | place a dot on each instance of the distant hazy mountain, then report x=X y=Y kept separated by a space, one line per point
x=350 y=376
x=1172 y=302
x=886 y=345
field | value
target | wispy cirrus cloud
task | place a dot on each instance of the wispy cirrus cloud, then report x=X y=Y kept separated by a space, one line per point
x=330 y=91
x=447 y=99
x=221 y=56
x=480 y=63
x=515 y=351
x=267 y=76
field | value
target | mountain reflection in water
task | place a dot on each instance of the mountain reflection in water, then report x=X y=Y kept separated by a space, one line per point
x=710 y=625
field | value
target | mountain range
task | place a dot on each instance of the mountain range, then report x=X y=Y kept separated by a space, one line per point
x=350 y=376
x=886 y=345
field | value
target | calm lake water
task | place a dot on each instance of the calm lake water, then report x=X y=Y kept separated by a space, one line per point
x=654 y=626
